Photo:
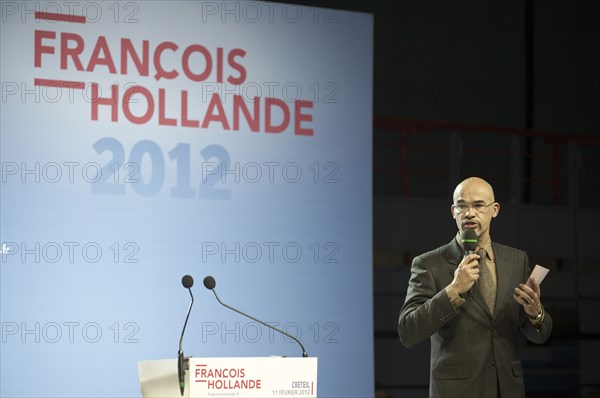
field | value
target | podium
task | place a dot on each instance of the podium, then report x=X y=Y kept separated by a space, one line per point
x=236 y=377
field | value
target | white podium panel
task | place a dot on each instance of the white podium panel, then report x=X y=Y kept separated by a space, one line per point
x=261 y=377
x=159 y=379
x=253 y=377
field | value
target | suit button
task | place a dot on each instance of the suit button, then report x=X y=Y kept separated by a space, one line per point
x=492 y=366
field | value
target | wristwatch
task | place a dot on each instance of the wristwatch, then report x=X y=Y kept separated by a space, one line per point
x=538 y=317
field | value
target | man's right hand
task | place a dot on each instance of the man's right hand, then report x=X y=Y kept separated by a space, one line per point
x=466 y=274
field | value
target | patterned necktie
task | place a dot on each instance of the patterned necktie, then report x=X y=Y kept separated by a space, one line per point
x=486 y=283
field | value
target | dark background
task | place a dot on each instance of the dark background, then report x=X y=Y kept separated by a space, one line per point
x=505 y=90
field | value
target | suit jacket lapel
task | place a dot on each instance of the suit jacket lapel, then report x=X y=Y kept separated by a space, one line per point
x=502 y=277
x=453 y=254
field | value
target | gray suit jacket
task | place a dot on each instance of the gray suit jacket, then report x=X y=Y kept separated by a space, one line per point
x=473 y=353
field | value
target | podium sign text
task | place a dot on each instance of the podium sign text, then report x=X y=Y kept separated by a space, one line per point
x=253 y=377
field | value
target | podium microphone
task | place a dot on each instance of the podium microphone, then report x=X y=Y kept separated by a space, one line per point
x=469 y=241
x=187 y=281
x=210 y=283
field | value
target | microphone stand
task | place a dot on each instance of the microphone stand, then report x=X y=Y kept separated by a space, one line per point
x=304 y=354
x=181 y=360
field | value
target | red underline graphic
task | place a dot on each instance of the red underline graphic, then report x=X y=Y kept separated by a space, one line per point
x=59 y=83
x=51 y=16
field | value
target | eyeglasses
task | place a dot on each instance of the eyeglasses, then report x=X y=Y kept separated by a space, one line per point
x=479 y=207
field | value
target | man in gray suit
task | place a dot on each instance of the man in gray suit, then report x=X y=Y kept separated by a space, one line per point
x=473 y=315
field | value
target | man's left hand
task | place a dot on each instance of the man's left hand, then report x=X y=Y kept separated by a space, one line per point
x=528 y=295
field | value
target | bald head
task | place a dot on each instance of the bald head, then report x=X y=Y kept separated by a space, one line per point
x=474 y=185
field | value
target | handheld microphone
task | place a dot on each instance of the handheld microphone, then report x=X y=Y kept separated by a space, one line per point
x=210 y=283
x=187 y=281
x=469 y=241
